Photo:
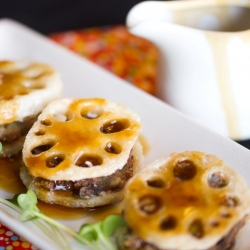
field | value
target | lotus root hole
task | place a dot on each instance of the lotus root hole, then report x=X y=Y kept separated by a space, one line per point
x=42 y=148
x=88 y=161
x=230 y=201
x=225 y=214
x=217 y=180
x=168 y=223
x=113 y=148
x=184 y=170
x=215 y=223
x=156 y=183
x=60 y=117
x=114 y=126
x=54 y=161
x=46 y=122
x=40 y=132
x=149 y=204
x=196 y=228
x=91 y=113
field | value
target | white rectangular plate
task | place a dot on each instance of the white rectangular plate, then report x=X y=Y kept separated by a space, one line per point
x=165 y=129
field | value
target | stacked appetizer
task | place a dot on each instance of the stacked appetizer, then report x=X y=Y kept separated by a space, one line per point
x=187 y=201
x=25 y=89
x=82 y=152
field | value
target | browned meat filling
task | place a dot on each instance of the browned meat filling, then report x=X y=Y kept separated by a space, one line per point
x=133 y=242
x=91 y=187
x=13 y=131
x=10 y=150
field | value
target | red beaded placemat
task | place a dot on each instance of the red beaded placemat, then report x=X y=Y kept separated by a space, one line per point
x=11 y=241
x=115 y=49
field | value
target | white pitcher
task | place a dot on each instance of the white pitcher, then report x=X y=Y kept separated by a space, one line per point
x=204 y=64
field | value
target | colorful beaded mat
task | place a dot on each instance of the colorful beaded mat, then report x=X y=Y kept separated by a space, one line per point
x=11 y=241
x=115 y=49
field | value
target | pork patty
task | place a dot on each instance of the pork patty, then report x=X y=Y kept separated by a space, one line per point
x=90 y=187
x=13 y=131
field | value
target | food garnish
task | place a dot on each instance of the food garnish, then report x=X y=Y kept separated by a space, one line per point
x=100 y=232
x=96 y=235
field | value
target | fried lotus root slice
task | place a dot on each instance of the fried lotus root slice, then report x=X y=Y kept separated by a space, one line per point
x=81 y=141
x=25 y=89
x=187 y=197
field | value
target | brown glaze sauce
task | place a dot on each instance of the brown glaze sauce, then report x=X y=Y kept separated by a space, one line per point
x=9 y=171
x=12 y=84
x=9 y=175
x=165 y=195
x=64 y=213
x=145 y=145
x=77 y=133
x=21 y=80
x=16 y=81
x=11 y=182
